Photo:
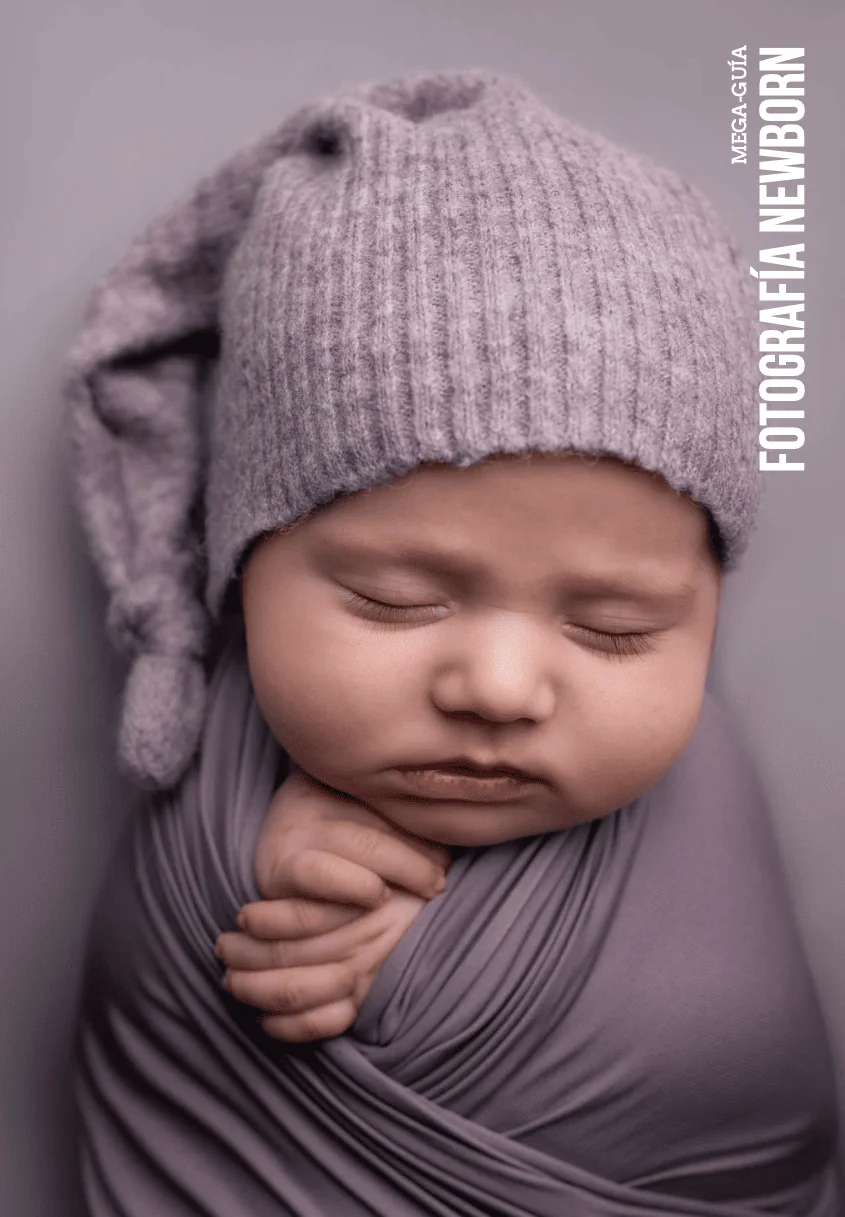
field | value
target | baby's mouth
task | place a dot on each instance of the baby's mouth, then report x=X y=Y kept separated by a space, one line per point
x=479 y=771
x=466 y=783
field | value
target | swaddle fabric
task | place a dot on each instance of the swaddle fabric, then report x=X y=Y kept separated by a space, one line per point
x=611 y=1020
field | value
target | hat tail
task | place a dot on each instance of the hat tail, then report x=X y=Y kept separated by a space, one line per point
x=134 y=388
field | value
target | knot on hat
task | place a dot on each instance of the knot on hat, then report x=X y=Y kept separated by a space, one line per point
x=157 y=615
x=160 y=622
x=162 y=720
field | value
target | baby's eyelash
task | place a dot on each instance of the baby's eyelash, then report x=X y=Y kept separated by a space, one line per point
x=614 y=646
x=385 y=612
x=634 y=643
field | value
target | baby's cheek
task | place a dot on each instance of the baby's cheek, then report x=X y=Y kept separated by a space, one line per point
x=296 y=697
x=631 y=747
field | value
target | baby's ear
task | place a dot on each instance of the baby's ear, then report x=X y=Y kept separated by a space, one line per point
x=135 y=390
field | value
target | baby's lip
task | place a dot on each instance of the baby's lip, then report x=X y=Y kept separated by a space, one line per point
x=465 y=764
x=450 y=784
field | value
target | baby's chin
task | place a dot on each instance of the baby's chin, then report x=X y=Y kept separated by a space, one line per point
x=457 y=823
x=461 y=823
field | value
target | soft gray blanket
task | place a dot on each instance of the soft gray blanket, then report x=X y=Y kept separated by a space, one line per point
x=612 y=1020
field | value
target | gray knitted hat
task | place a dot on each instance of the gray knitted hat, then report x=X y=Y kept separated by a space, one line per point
x=436 y=268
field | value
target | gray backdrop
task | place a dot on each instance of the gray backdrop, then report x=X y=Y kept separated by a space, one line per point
x=111 y=110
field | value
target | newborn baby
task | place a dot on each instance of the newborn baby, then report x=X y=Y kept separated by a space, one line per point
x=465 y=394
x=553 y=615
x=547 y=613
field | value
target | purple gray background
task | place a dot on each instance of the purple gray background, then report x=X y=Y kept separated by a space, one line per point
x=110 y=110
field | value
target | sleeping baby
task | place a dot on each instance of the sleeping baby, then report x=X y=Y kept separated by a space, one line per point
x=449 y=403
x=552 y=615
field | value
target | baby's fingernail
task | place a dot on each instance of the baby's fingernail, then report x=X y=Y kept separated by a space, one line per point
x=440 y=884
x=226 y=981
x=240 y=920
x=217 y=950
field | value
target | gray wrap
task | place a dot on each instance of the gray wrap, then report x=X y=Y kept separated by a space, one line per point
x=612 y=1020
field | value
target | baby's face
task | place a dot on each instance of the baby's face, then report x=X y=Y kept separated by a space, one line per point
x=551 y=613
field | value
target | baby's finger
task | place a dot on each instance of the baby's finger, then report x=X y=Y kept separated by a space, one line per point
x=438 y=854
x=323 y=875
x=322 y=1023
x=292 y=990
x=245 y=953
x=295 y=917
x=404 y=862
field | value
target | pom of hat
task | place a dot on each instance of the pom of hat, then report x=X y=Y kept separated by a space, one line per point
x=162 y=718
x=160 y=622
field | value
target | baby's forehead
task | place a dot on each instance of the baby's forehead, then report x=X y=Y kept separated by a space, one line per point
x=543 y=511
x=437 y=496
x=516 y=502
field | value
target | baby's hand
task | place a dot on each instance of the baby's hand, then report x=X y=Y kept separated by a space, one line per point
x=341 y=887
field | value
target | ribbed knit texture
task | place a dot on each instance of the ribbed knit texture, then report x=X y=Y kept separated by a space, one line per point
x=437 y=268
x=444 y=282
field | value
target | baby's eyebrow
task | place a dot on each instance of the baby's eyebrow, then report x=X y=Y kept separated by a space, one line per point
x=678 y=596
x=577 y=587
